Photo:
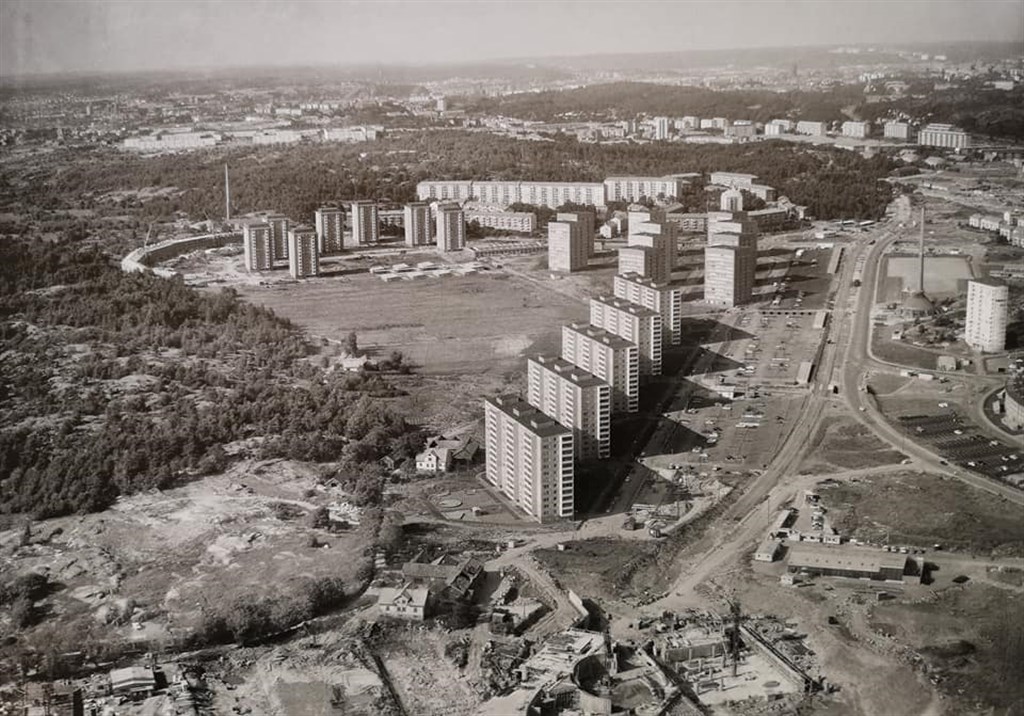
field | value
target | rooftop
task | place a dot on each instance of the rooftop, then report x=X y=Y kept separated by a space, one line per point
x=567 y=370
x=599 y=334
x=989 y=281
x=622 y=304
x=529 y=417
x=860 y=559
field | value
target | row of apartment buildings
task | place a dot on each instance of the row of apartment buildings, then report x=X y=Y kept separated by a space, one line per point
x=1008 y=226
x=554 y=194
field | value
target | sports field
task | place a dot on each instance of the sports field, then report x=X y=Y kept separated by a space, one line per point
x=943 y=276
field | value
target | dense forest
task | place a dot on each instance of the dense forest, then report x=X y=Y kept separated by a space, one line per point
x=833 y=183
x=974 y=107
x=114 y=383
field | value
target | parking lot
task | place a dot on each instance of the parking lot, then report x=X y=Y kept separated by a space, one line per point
x=961 y=442
x=767 y=350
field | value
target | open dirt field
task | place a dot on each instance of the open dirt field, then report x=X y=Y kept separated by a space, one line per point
x=843 y=443
x=467 y=325
x=971 y=638
x=914 y=508
x=425 y=679
x=943 y=276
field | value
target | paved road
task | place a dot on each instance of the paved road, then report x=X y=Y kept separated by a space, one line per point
x=864 y=407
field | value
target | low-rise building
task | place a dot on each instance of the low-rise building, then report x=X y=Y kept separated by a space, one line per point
x=848 y=561
x=133 y=682
x=403 y=602
x=522 y=222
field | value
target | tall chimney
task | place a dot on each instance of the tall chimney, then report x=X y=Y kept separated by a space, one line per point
x=920 y=282
x=227 y=195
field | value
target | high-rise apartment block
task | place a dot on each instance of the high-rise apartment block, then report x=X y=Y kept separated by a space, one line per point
x=330 y=229
x=451 y=228
x=417 y=224
x=567 y=249
x=612 y=359
x=586 y=222
x=643 y=260
x=985 y=329
x=730 y=259
x=636 y=324
x=303 y=257
x=576 y=399
x=943 y=135
x=529 y=458
x=365 y=224
x=662 y=126
x=664 y=298
x=258 y=247
x=278 y=235
x=660 y=238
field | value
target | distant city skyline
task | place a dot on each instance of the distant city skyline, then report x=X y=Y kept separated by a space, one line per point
x=54 y=36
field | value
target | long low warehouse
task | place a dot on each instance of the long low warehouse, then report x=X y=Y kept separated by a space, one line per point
x=853 y=562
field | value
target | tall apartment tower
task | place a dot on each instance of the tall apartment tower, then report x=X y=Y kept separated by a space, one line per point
x=529 y=458
x=730 y=260
x=987 y=300
x=258 y=247
x=451 y=228
x=278 y=235
x=643 y=261
x=612 y=359
x=587 y=222
x=641 y=233
x=661 y=297
x=567 y=250
x=417 y=224
x=330 y=229
x=365 y=224
x=636 y=324
x=576 y=399
x=303 y=256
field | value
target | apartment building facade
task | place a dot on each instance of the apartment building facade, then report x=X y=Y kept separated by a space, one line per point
x=365 y=224
x=451 y=228
x=529 y=458
x=330 y=229
x=257 y=247
x=612 y=359
x=634 y=323
x=567 y=250
x=416 y=224
x=985 y=327
x=303 y=254
x=663 y=298
x=278 y=235
x=576 y=399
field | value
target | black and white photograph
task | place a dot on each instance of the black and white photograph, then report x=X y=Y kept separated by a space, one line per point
x=511 y=358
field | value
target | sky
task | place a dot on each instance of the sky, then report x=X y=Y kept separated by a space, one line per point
x=49 y=36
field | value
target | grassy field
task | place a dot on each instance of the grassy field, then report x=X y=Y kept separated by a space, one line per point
x=900 y=352
x=971 y=638
x=466 y=325
x=920 y=509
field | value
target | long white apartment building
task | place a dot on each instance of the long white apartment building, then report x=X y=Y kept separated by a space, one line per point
x=634 y=323
x=856 y=130
x=278 y=235
x=898 y=130
x=450 y=228
x=576 y=399
x=303 y=256
x=365 y=224
x=985 y=328
x=612 y=359
x=637 y=188
x=523 y=222
x=549 y=194
x=733 y=180
x=943 y=135
x=330 y=229
x=567 y=249
x=416 y=223
x=257 y=247
x=586 y=221
x=529 y=458
x=664 y=298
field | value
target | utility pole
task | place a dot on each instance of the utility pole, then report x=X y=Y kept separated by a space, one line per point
x=227 y=195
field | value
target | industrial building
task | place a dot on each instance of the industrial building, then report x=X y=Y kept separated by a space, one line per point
x=417 y=224
x=257 y=247
x=330 y=229
x=609 y=357
x=847 y=561
x=303 y=257
x=664 y=298
x=529 y=458
x=576 y=399
x=985 y=327
x=636 y=324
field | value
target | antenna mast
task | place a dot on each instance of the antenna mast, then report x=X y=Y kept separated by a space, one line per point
x=920 y=282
